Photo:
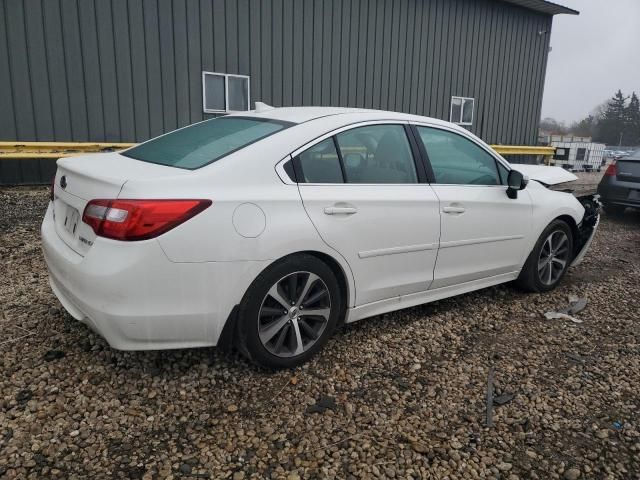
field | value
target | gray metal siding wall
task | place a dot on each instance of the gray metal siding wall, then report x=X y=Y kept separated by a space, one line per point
x=127 y=70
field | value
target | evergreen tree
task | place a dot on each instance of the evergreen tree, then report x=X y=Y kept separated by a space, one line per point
x=585 y=127
x=631 y=135
x=613 y=124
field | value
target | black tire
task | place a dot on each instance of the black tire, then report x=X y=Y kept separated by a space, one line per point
x=530 y=277
x=251 y=309
x=614 y=210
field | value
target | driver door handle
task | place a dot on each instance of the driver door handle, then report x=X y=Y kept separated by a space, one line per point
x=453 y=209
x=340 y=210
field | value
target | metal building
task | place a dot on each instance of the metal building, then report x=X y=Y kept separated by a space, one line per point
x=127 y=70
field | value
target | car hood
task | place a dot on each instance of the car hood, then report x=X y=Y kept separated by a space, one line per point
x=544 y=174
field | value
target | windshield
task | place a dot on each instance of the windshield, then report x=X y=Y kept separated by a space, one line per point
x=203 y=143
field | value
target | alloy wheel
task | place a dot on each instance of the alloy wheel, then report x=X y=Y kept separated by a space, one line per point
x=294 y=313
x=554 y=256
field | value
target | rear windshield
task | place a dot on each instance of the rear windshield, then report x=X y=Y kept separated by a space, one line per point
x=203 y=143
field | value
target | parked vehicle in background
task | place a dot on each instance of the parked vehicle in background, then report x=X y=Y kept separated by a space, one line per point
x=620 y=184
x=615 y=154
x=268 y=229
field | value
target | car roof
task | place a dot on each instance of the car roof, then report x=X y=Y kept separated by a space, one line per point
x=306 y=114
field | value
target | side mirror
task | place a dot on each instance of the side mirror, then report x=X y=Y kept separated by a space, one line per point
x=515 y=181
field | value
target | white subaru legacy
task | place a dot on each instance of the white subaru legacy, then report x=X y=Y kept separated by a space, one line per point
x=266 y=230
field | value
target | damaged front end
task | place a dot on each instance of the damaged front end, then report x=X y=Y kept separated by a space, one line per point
x=587 y=228
x=558 y=179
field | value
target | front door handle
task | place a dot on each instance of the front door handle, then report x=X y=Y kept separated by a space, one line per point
x=453 y=209
x=340 y=210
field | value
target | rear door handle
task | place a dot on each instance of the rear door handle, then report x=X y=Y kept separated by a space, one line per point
x=340 y=210
x=453 y=209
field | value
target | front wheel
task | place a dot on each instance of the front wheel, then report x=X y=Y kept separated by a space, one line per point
x=289 y=312
x=549 y=260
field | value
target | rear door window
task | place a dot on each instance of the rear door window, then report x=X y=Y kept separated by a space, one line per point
x=377 y=154
x=206 y=142
x=372 y=154
x=321 y=163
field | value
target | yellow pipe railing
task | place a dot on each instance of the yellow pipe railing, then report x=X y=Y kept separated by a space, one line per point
x=37 y=150
x=523 y=150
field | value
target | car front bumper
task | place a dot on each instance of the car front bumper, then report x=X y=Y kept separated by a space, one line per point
x=585 y=248
x=588 y=227
x=137 y=299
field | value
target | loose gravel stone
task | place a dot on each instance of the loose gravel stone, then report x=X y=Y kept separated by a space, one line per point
x=572 y=474
x=402 y=395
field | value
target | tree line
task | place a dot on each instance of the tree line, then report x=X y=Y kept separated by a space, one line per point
x=615 y=122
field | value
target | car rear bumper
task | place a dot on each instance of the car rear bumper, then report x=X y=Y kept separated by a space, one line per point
x=622 y=203
x=137 y=299
x=617 y=192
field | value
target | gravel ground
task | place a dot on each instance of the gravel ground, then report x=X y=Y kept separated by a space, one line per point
x=402 y=395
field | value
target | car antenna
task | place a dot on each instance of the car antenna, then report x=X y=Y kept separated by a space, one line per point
x=263 y=107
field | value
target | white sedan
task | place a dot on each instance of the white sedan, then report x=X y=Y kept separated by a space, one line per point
x=268 y=229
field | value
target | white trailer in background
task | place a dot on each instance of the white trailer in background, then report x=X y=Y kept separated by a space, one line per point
x=578 y=154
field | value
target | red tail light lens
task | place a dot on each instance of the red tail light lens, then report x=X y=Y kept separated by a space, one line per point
x=611 y=170
x=131 y=220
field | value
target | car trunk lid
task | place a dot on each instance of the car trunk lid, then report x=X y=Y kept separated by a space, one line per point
x=81 y=179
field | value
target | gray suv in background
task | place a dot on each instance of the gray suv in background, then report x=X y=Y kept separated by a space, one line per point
x=620 y=185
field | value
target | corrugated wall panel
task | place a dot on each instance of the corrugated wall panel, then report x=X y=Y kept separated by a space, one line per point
x=108 y=77
x=287 y=52
x=38 y=69
x=194 y=60
x=336 y=44
x=24 y=113
x=370 y=47
x=124 y=79
x=8 y=117
x=276 y=52
x=91 y=62
x=125 y=70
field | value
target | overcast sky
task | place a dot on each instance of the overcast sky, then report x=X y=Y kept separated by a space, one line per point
x=593 y=55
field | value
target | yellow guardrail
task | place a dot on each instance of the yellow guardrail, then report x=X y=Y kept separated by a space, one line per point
x=523 y=150
x=35 y=150
x=31 y=150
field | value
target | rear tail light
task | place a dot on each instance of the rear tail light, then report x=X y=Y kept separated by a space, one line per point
x=131 y=220
x=611 y=170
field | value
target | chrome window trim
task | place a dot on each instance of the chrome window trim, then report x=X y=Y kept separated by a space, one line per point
x=279 y=167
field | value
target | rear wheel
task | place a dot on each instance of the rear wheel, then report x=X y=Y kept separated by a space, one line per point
x=549 y=260
x=289 y=312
